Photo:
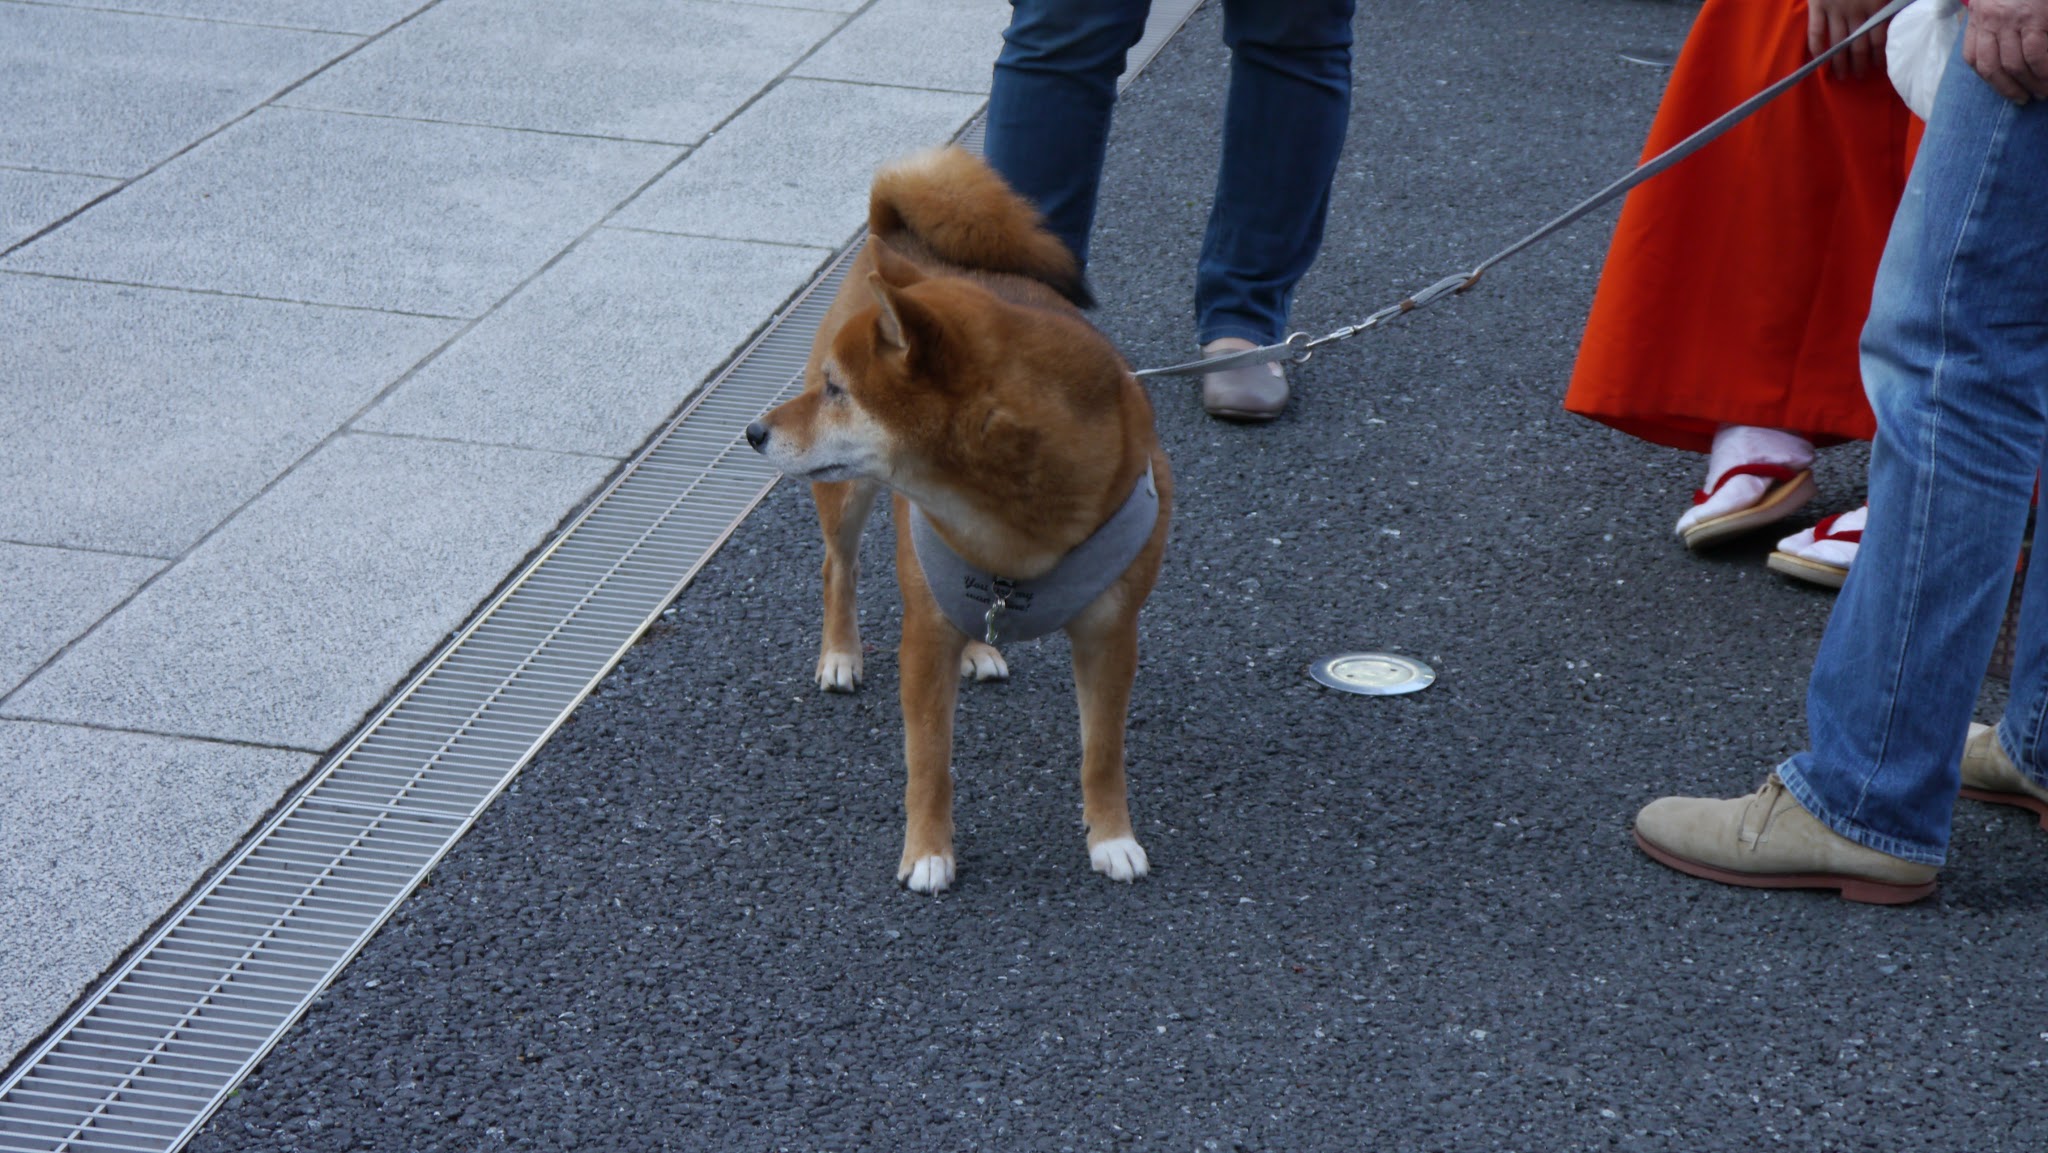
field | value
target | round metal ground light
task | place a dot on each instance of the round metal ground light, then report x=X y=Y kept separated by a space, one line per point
x=1373 y=674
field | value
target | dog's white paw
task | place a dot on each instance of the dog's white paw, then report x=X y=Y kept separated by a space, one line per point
x=983 y=663
x=839 y=672
x=927 y=874
x=1122 y=859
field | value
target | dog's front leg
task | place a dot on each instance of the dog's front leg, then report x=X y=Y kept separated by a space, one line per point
x=1105 y=641
x=843 y=508
x=929 y=661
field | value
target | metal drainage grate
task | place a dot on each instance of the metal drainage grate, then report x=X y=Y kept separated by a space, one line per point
x=141 y=1063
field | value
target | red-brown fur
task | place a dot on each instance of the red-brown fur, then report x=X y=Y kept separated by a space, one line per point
x=966 y=380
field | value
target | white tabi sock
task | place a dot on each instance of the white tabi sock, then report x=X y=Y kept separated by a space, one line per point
x=1740 y=444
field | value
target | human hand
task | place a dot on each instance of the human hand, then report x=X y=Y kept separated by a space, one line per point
x=2006 y=41
x=1829 y=22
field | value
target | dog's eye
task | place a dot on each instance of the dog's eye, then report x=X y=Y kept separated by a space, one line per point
x=832 y=389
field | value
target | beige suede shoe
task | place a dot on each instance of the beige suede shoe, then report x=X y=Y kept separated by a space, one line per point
x=1990 y=776
x=1252 y=392
x=1766 y=841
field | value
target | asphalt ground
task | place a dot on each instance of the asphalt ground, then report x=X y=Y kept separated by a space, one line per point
x=1404 y=923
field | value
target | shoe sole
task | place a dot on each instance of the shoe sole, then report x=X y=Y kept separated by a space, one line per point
x=1777 y=504
x=1860 y=889
x=2011 y=800
x=1243 y=415
x=1810 y=571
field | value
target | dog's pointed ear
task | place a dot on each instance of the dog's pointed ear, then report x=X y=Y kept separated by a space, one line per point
x=900 y=322
x=892 y=265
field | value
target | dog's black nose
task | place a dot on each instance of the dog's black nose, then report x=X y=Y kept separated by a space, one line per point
x=757 y=435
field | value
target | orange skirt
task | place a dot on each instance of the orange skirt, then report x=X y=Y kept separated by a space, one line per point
x=1737 y=284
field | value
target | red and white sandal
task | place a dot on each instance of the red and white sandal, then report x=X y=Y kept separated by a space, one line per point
x=1789 y=491
x=1822 y=554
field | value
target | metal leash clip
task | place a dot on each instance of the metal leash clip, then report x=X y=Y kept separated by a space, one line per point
x=1003 y=588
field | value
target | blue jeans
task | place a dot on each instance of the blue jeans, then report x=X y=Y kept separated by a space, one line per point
x=1955 y=361
x=1284 y=122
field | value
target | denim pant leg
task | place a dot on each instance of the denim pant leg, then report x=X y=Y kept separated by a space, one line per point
x=1283 y=130
x=1050 y=101
x=2021 y=730
x=1955 y=361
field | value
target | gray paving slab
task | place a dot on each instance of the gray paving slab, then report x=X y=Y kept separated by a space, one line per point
x=48 y=596
x=100 y=833
x=303 y=612
x=359 y=16
x=667 y=70
x=796 y=165
x=110 y=93
x=32 y=200
x=603 y=347
x=143 y=417
x=366 y=211
x=946 y=44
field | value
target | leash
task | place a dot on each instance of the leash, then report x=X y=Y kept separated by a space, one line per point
x=1299 y=346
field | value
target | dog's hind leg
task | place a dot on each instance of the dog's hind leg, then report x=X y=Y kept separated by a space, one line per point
x=843 y=508
x=983 y=662
x=1105 y=641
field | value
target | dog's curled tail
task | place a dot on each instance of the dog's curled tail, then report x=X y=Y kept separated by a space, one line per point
x=966 y=215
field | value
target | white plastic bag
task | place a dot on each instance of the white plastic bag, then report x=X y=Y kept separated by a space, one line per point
x=1917 y=49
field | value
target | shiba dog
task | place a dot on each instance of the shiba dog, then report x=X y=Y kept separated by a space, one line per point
x=955 y=369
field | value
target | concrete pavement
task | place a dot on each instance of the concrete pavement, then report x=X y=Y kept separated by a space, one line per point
x=318 y=317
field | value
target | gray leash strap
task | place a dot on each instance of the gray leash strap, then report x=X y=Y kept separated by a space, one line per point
x=1299 y=346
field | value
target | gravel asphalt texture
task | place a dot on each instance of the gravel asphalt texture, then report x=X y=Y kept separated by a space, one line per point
x=1400 y=923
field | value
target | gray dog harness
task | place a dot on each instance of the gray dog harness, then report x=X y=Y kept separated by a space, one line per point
x=982 y=604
